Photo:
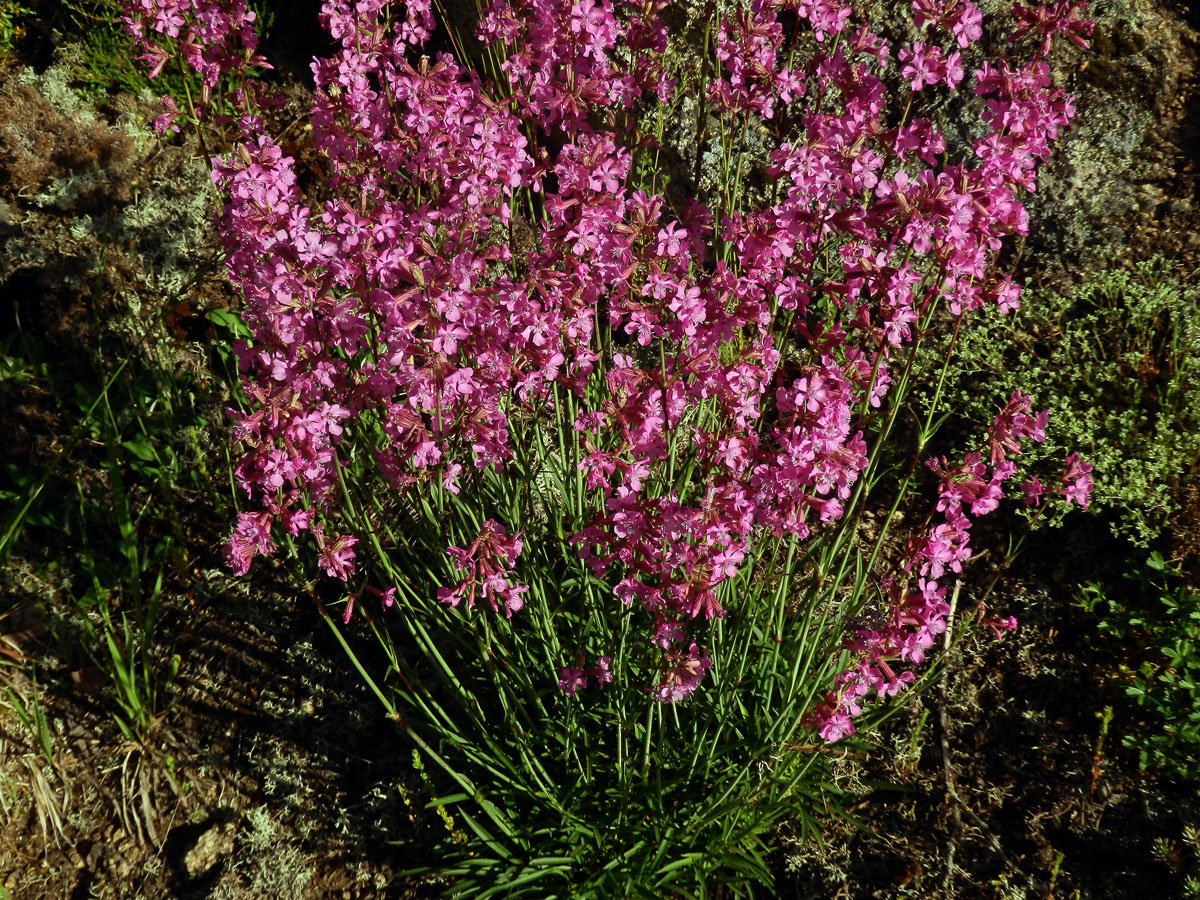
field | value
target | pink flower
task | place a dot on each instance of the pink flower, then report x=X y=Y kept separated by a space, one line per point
x=1033 y=491
x=1077 y=480
x=999 y=625
x=1064 y=17
x=570 y=680
x=487 y=562
x=682 y=675
x=251 y=536
x=336 y=556
x=1012 y=425
x=926 y=66
x=960 y=17
x=602 y=672
x=166 y=121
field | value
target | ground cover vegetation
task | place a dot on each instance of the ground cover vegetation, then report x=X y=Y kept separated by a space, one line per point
x=627 y=393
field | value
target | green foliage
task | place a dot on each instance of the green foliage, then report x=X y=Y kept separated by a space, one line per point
x=1152 y=625
x=106 y=64
x=33 y=717
x=1117 y=363
x=109 y=506
x=111 y=573
x=10 y=25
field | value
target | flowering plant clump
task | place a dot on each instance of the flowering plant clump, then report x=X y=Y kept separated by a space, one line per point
x=640 y=424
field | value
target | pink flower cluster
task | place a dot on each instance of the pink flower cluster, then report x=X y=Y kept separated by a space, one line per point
x=573 y=678
x=683 y=672
x=722 y=398
x=927 y=66
x=560 y=61
x=972 y=487
x=214 y=38
x=961 y=18
x=488 y=563
x=1063 y=17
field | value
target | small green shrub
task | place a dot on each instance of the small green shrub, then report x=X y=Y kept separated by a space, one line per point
x=10 y=25
x=1117 y=363
x=1154 y=626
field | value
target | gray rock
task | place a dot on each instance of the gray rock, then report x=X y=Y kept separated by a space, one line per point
x=210 y=848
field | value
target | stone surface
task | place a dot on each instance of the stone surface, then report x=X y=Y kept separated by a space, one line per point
x=1123 y=176
x=210 y=848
